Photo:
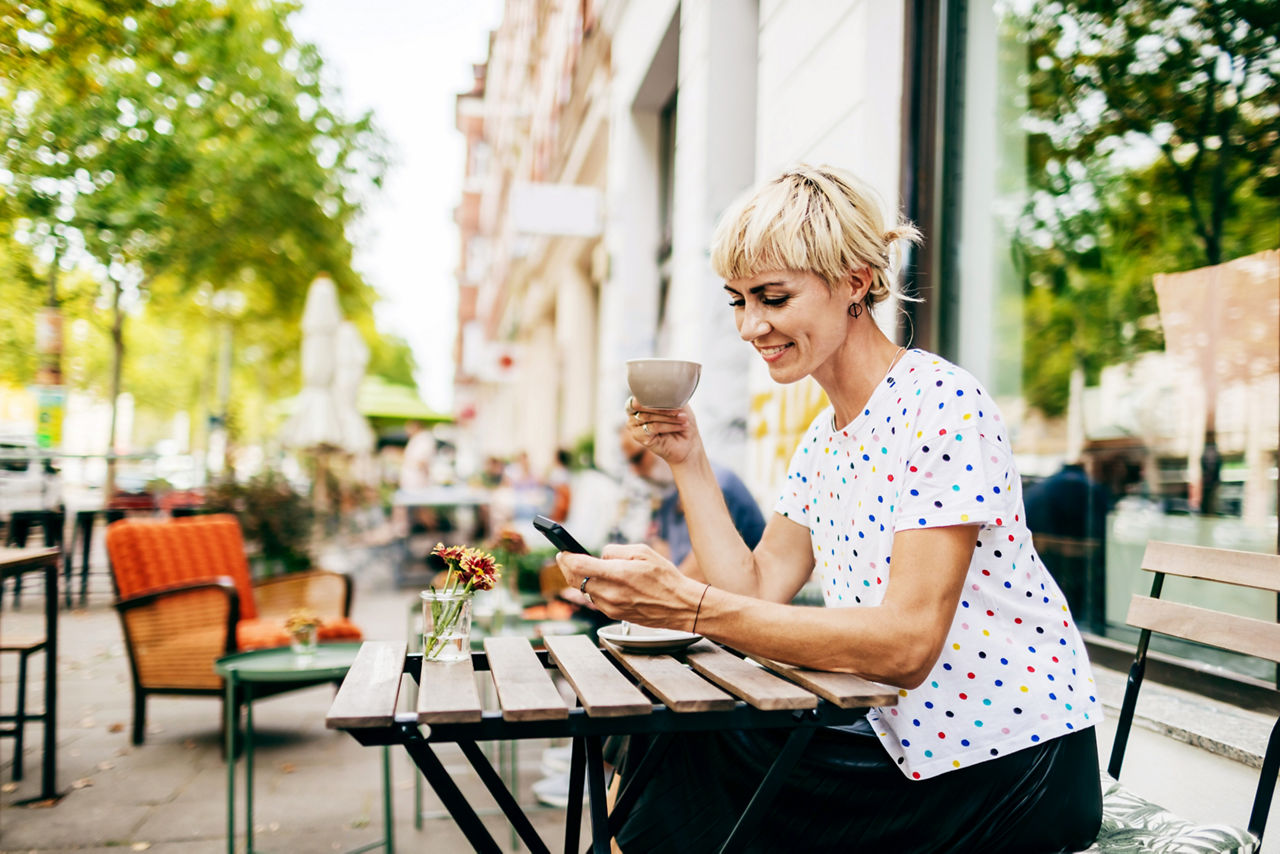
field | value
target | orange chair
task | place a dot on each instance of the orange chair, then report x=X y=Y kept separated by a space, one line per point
x=185 y=599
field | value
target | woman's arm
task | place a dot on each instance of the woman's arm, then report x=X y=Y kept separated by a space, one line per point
x=896 y=642
x=783 y=559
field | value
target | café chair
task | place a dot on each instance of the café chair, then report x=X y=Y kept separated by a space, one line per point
x=1129 y=821
x=186 y=598
x=24 y=647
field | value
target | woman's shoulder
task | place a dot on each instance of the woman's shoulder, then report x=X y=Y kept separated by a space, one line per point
x=926 y=370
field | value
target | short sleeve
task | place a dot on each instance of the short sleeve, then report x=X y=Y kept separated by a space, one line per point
x=960 y=468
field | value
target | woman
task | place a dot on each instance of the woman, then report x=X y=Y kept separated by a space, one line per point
x=903 y=499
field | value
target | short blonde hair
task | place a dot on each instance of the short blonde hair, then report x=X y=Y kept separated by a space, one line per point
x=821 y=220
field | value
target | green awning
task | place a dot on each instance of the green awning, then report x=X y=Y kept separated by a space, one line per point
x=379 y=398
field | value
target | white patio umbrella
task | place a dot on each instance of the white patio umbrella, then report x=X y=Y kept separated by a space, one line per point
x=352 y=358
x=315 y=422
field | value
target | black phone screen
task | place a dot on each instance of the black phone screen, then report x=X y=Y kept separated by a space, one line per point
x=559 y=537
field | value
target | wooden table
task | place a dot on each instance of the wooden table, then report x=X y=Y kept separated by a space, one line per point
x=617 y=693
x=13 y=564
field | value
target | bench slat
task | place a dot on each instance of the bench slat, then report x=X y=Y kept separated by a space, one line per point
x=1245 y=569
x=670 y=681
x=525 y=689
x=447 y=693
x=368 y=694
x=1245 y=635
x=756 y=685
x=602 y=690
x=844 y=689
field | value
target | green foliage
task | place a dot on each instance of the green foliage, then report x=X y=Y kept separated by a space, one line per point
x=186 y=153
x=277 y=520
x=1153 y=145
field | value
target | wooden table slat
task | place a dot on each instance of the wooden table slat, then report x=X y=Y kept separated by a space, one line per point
x=844 y=689
x=447 y=693
x=525 y=689
x=602 y=690
x=749 y=681
x=673 y=683
x=369 y=692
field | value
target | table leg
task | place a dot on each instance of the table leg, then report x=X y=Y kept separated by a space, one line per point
x=502 y=794
x=387 y=823
x=751 y=817
x=595 y=787
x=48 y=771
x=573 y=812
x=248 y=768
x=451 y=796
x=229 y=733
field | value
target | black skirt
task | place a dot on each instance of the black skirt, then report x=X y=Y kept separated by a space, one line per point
x=845 y=794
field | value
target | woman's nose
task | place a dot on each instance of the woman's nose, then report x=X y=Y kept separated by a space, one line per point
x=751 y=324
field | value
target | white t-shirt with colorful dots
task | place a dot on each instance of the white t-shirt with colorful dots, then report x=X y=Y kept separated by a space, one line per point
x=929 y=450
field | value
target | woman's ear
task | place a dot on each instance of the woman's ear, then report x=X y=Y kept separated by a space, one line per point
x=858 y=282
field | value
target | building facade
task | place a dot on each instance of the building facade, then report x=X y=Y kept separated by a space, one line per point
x=1092 y=254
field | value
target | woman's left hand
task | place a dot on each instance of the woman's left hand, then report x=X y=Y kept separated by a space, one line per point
x=636 y=584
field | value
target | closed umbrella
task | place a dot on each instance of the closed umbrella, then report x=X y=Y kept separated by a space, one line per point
x=352 y=358
x=315 y=422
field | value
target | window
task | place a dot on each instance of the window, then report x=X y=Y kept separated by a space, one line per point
x=1105 y=259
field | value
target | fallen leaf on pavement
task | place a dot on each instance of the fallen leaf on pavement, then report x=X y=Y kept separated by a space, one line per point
x=140 y=846
x=82 y=782
x=9 y=787
x=116 y=727
x=106 y=766
x=288 y=767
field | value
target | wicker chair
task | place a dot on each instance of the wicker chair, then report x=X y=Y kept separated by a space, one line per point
x=185 y=599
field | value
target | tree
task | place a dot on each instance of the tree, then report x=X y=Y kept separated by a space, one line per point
x=1154 y=146
x=188 y=143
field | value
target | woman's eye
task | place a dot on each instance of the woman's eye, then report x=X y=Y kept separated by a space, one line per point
x=737 y=303
x=773 y=301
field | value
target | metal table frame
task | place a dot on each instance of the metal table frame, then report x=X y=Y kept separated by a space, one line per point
x=13 y=564
x=315 y=669
x=587 y=734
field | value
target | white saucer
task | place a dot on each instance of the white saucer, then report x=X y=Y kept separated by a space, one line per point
x=643 y=639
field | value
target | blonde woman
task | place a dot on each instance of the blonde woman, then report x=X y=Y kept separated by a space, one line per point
x=902 y=499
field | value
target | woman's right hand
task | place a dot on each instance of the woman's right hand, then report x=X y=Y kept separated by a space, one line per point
x=670 y=433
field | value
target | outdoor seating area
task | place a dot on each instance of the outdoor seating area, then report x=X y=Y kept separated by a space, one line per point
x=112 y=785
x=679 y=425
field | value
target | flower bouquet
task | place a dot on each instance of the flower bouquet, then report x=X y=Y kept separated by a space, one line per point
x=303 y=627
x=446 y=613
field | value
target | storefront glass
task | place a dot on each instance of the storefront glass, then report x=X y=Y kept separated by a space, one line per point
x=1115 y=246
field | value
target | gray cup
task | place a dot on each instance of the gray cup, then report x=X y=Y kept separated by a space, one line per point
x=662 y=383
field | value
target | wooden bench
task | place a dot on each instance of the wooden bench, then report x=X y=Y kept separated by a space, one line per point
x=1130 y=822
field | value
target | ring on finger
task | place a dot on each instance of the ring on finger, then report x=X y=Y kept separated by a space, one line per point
x=582 y=588
x=647 y=431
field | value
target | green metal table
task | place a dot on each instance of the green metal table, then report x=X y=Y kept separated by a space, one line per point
x=272 y=667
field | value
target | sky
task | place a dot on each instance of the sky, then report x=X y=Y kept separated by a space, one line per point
x=406 y=60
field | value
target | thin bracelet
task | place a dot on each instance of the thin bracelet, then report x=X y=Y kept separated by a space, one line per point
x=698 y=612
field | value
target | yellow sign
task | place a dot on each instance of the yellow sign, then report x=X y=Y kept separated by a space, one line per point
x=51 y=403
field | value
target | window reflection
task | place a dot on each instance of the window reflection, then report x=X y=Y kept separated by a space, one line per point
x=1119 y=279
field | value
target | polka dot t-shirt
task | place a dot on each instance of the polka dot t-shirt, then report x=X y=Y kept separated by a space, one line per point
x=929 y=450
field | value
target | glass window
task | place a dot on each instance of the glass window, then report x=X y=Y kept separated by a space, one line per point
x=1117 y=279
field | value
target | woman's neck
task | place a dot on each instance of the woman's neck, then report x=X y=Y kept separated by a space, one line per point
x=852 y=376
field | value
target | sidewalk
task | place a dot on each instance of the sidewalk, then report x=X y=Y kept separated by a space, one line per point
x=318 y=791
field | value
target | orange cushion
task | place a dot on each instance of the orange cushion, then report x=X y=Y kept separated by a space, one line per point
x=152 y=554
x=265 y=634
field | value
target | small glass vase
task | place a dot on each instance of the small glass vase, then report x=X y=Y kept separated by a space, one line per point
x=446 y=625
x=303 y=641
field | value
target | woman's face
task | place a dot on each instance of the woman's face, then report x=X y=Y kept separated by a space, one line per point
x=795 y=322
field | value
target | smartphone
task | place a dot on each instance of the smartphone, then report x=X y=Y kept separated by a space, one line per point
x=559 y=537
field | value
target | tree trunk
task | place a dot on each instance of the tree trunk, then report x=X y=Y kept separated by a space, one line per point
x=117 y=365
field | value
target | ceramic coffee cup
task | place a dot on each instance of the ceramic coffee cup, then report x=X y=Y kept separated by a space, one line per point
x=662 y=383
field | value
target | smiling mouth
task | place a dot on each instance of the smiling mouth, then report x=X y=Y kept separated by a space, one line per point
x=769 y=354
